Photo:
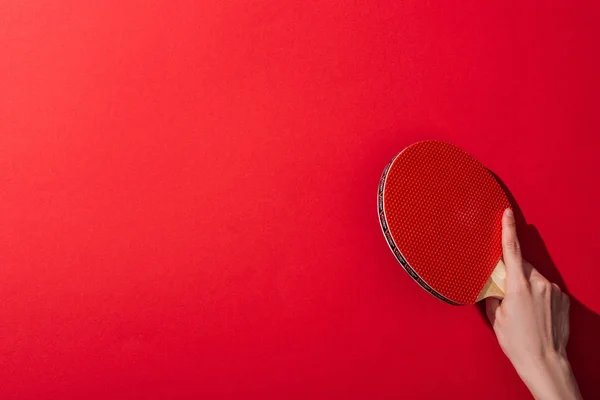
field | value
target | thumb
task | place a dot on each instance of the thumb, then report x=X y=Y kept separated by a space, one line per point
x=491 y=307
x=511 y=249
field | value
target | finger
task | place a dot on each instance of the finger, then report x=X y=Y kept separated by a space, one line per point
x=491 y=307
x=556 y=317
x=566 y=300
x=511 y=249
x=556 y=287
x=540 y=284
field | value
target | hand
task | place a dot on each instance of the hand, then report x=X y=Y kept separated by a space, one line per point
x=532 y=323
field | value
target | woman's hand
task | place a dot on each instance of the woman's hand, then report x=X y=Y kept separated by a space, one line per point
x=532 y=323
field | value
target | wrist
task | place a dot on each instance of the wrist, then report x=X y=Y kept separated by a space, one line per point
x=550 y=377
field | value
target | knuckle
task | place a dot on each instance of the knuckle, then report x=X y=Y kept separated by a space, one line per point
x=512 y=245
x=535 y=280
x=541 y=285
x=556 y=288
x=511 y=223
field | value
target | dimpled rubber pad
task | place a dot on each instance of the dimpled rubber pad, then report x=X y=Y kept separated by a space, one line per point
x=444 y=210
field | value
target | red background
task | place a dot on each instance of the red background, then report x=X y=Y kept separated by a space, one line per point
x=188 y=192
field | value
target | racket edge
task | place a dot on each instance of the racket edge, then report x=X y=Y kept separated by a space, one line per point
x=392 y=245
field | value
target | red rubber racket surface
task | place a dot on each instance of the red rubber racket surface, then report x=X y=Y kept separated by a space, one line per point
x=440 y=211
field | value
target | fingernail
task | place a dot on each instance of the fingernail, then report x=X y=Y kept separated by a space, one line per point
x=509 y=212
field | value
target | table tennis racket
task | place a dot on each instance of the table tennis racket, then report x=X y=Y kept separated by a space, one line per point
x=441 y=213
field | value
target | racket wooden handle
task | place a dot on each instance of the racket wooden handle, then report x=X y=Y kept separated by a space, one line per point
x=495 y=285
